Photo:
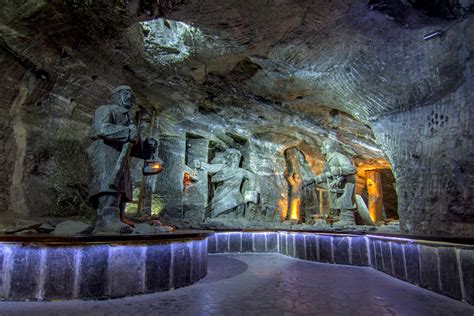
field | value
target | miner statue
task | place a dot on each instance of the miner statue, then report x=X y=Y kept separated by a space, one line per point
x=115 y=138
x=227 y=176
x=338 y=177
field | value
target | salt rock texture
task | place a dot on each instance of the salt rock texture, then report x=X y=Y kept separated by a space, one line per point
x=260 y=76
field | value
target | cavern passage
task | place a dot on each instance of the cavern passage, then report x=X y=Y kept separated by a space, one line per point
x=351 y=116
x=260 y=78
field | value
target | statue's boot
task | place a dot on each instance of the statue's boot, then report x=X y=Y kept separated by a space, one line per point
x=346 y=218
x=108 y=222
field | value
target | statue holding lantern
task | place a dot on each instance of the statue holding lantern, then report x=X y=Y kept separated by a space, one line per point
x=115 y=138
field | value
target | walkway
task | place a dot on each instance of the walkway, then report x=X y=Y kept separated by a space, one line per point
x=267 y=284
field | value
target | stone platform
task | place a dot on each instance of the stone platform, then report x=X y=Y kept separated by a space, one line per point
x=99 y=267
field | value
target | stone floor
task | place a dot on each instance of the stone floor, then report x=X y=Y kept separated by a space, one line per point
x=268 y=284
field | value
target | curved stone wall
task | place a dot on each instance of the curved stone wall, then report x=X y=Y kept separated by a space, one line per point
x=326 y=248
x=72 y=270
x=443 y=266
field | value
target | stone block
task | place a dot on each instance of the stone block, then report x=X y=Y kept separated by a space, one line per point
x=284 y=245
x=126 y=264
x=412 y=263
x=259 y=242
x=212 y=243
x=195 y=197
x=341 y=250
x=235 y=242
x=4 y=250
x=157 y=271
x=222 y=242
x=172 y=151
x=325 y=249
x=93 y=271
x=449 y=272
x=300 y=251
x=398 y=261
x=291 y=245
x=359 y=255
x=272 y=242
x=203 y=261
x=195 y=260
x=311 y=242
x=69 y=228
x=387 y=258
x=466 y=257
x=429 y=269
x=59 y=272
x=181 y=265
x=25 y=272
x=378 y=255
x=247 y=242
x=371 y=251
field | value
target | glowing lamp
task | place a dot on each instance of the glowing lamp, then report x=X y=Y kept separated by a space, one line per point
x=152 y=167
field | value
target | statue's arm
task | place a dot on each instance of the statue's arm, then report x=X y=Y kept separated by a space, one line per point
x=210 y=168
x=106 y=129
x=252 y=180
x=344 y=168
x=322 y=177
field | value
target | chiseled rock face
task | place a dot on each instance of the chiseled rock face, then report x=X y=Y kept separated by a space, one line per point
x=260 y=76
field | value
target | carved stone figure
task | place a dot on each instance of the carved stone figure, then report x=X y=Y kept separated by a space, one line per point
x=302 y=200
x=115 y=138
x=338 y=178
x=228 y=177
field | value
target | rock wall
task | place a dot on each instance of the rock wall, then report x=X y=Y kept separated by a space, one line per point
x=434 y=170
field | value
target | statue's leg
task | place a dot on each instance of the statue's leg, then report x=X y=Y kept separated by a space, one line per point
x=346 y=217
x=108 y=200
x=100 y=202
x=108 y=215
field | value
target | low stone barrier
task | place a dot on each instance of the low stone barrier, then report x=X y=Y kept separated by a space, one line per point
x=444 y=267
x=47 y=270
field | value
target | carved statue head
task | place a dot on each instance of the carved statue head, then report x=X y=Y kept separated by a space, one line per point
x=233 y=157
x=122 y=96
x=329 y=146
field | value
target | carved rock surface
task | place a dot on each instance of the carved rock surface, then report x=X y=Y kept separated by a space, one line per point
x=260 y=77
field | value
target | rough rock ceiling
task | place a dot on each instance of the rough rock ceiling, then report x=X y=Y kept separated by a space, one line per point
x=302 y=58
x=328 y=53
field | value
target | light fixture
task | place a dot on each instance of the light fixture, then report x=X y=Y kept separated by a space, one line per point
x=433 y=34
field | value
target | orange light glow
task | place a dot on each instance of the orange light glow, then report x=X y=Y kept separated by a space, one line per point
x=295 y=209
x=186 y=181
x=156 y=166
x=282 y=206
x=375 y=195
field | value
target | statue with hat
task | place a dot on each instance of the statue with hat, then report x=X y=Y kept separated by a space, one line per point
x=115 y=138
x=338 y=177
